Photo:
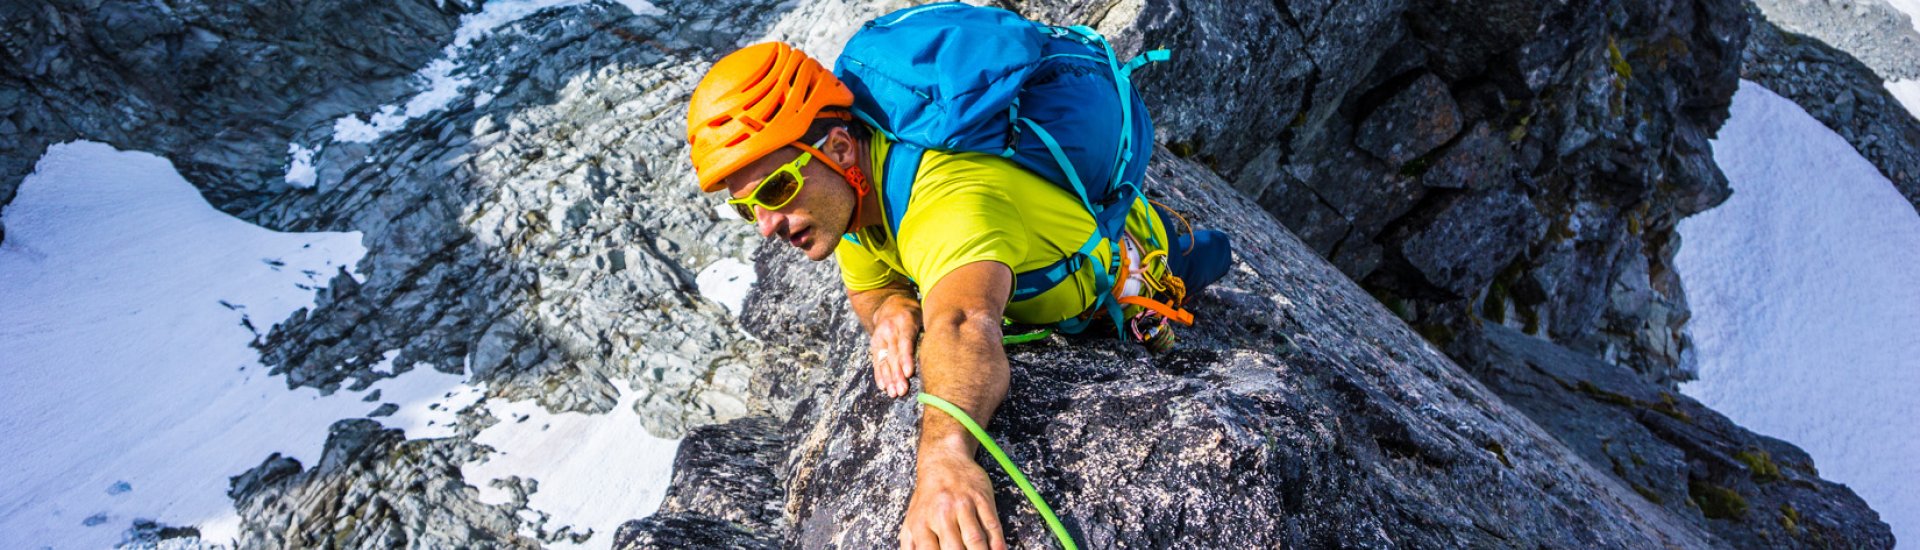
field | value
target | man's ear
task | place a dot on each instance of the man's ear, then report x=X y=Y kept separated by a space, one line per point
x=841 y=145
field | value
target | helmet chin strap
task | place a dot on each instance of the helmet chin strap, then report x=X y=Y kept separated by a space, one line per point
x=858 y=180
x=855 y=178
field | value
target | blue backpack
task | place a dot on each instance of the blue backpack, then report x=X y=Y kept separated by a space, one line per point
x=954 y=77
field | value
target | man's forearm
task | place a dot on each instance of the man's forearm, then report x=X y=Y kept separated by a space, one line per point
x=965 y=364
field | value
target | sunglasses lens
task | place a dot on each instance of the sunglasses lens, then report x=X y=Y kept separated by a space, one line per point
x=778 y=190
x=744 y=210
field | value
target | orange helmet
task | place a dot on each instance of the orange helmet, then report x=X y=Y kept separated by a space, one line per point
x=753 y=102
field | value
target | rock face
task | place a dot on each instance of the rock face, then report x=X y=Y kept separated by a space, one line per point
x=1486 y=162
x=371 y=489
x=535 y=239
x=1380 y=132
x=1299 y=413
x=1750 y=490
x=219 y=88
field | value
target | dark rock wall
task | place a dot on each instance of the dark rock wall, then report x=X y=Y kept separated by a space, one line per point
x=1751 y=490
x=1523 y=162
x=219 y=88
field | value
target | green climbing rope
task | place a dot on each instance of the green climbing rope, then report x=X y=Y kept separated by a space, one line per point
x=1046 y=512
x=1023 y=338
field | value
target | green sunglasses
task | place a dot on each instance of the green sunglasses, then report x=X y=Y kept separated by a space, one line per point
x=779 y=188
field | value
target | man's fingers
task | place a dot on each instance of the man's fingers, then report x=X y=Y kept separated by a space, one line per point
x=923 y=537
x=972 y=533
x=903 y=368
x=882 y=370
x=904 y=347
x=991 y=521
x=948 y=530
x=881 y=373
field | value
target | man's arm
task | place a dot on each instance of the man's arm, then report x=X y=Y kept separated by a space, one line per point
x=952 y=503
x=891 y=316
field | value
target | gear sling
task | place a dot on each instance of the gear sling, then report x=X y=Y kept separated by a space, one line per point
x=954 y=77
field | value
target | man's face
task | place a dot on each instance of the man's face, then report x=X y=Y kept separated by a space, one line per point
x=818 y=214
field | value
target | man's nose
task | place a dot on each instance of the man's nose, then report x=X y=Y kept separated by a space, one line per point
x=765 y=219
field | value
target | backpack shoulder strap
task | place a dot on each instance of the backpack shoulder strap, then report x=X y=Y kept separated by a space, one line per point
x=902 y=165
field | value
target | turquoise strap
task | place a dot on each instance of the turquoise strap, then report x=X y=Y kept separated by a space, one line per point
x=1124 y=87
x=1141 y=60
x=864 y=117
x=1066 y=165
x=1006 y=464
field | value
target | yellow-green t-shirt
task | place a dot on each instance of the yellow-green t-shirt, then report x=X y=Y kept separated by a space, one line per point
x=972 y=207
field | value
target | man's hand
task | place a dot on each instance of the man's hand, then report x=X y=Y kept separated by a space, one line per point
x=891 y=316
x=896 y=327
x=952 y=506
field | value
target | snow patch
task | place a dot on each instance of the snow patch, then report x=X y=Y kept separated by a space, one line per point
x=642 y=7
x=1908 y=93
x=594 y=471
x=300 y=172
x=435 y=417
x=727 y=283
x=1804 y=307
x=128 y=388
x=439 y=82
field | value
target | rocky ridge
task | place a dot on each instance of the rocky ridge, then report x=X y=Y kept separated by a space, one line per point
x=1299 y=413
x=1843 y=92
x=538 y=233
x=1872 y=32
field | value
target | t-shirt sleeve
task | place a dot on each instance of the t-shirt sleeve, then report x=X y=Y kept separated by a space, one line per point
x=860 y=269
x=962 y=222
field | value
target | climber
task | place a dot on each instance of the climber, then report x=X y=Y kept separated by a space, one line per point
x=775 y=130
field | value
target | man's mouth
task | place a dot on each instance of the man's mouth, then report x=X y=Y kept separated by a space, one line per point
x=799 y=240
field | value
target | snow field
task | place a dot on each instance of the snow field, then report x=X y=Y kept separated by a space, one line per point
x=1804 y=303
x=128 y=388
x=595 y=472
